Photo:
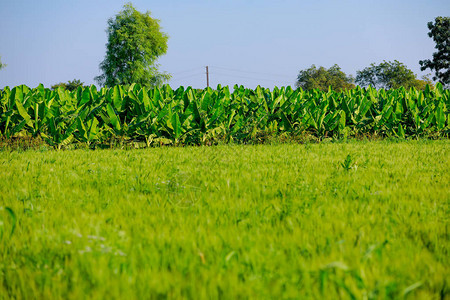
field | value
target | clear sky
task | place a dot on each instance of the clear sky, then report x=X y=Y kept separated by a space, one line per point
x=245 y=42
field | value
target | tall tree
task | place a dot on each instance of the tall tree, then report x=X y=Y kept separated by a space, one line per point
x=135 y=42
x=440 y=63
x=389 y=75
x=322 y=78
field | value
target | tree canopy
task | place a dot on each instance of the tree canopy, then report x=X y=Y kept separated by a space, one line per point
x=440 y=63
x=135 y=42
x=390 y=75
x=71 y=85
x=322 y=78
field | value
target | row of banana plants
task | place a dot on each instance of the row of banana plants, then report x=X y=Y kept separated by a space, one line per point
x=187 y=116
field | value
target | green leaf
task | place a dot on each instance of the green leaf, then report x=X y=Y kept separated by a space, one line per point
x=342 y=121
x=411 y=288
x=85 y=97
x=230 y=118
x=387 y=111
x=145 y=99
x=13 y=217
x=197 y=117
x=229 y=256
x=311 y=121
x=176 y=125
x=82 y=129
x=23 y=113
x=117 y=98
x=331 y=121
x=66 y=140
x=429 y=120
x=286 y=122
x=440 y=118
x=401 y=132
x=93 y=128
x=322 y=113
x=18 y=95
x=439 y=90
x=113 y=117
x=205 y=101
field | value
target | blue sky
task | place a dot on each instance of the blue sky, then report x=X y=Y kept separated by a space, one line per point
x=244 y=42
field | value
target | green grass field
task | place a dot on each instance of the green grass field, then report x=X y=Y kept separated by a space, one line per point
x=356 y=220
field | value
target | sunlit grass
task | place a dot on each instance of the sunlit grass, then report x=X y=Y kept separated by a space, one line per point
x=367 y=220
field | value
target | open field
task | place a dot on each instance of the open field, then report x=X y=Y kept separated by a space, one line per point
x=357 y=220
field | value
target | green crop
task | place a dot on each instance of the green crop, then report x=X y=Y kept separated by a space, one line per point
x=345 y=220
x=193 y=117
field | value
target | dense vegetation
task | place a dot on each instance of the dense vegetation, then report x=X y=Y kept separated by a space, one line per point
x=355 y=220
x=193 y=117
x=322 y=78
x=135 y=41
x=71 y=85
x=390 y=75
x=386 y=75
x=440 y=63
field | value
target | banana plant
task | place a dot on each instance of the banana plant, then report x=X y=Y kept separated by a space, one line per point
x=192 y=116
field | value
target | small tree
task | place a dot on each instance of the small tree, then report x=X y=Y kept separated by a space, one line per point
x=321 y=78
x=70 y=85
x=389 y=75
x=135 y=41
x=440 y=32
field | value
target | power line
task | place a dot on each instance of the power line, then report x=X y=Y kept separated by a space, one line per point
x=227 y=74
x=250 y=72
x=188 y=76
x=252 y=78
x=186 y=71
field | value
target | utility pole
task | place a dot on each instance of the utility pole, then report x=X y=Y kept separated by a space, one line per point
x=207 y=77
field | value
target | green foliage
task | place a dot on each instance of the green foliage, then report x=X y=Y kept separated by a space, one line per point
x=227 y=222
x=421 y=84
x=322 y=79
x=71 y=85
x=135 y=114
x=135 y=42
x=11 y=220
x=440 y=63
x=390 y=75
x=347 y=164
